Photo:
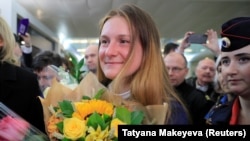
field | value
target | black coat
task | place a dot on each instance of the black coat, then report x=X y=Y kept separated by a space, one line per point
x=19 y=90
x=210 y=92
x=195 y=101
x=27 y=60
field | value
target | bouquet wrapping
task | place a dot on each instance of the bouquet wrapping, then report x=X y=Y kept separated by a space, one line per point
x=91 y=112
x=15 y=128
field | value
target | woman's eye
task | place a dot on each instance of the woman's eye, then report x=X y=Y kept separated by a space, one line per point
x=124 y=41
x=244 y=59
x=225 y=62
x=104 y=42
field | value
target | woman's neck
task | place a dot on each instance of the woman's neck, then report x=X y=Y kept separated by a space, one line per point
x=122 y=88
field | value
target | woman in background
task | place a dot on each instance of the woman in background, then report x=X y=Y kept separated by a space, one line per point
x=221 y=88
x=19 y=89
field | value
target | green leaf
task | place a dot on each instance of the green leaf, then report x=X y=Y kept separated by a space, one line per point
x=123 y=114
x=115 y=139
x=86 y=97
x=76 y=69
x=106 y=118
x=94 y=120
x=137 y=117
x=67 y=108
x=65 y=139
x=56 y=108
x=99 y=94
x=80 y=64
x=73 y=59
x=81 y=139
x=59 y=125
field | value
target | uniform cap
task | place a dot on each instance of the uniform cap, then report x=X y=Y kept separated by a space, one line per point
x=235 y=34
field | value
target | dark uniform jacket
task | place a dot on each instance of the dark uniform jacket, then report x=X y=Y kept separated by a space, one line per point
x=220 y=114
x=19 y=90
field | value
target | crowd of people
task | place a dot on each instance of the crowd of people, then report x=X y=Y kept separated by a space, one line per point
x=129 y=62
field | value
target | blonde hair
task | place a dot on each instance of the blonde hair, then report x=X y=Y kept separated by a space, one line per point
x=150 y=83
x=219 y=87
x=7 y=37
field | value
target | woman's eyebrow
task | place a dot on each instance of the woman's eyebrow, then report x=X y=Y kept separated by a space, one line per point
x=242 y=54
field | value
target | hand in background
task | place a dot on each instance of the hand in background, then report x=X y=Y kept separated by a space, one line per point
x=212 y=42
x=184 y=43
x=26 y=39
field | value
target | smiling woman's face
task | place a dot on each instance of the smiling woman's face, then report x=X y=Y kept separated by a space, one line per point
x=115 y=46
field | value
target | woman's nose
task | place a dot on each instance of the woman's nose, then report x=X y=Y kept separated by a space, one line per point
x=111 y=49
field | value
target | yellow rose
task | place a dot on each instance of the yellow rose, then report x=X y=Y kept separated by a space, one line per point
x=74 y=128
x=114 y=125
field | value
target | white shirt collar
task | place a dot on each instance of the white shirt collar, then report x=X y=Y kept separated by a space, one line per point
x=202 y=88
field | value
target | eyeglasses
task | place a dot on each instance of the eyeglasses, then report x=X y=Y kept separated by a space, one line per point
x=175 y=69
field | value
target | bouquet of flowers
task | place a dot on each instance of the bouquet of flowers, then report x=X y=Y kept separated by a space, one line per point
x=15 y=128
x=89 y=119
x=91 y=111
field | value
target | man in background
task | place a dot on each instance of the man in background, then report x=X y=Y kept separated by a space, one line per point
x=203 y=79
x=195 y=100
x=42 y=67
x=91 y=58
x=169 y=47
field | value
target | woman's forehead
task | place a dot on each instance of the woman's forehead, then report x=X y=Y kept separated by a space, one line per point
x=244 y=50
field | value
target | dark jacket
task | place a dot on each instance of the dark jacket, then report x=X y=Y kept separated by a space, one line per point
x=27 y=60
x=19 y=90
x=210 y=92
x=195 y=101
x=178 y=115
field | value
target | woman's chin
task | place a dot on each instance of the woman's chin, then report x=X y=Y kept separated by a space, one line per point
x=111 y=75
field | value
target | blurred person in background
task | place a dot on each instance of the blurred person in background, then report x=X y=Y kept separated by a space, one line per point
x=24 y=51
x=169 y=47
x=42 y=67
x=19 y=89
x=205 y=69
x=91 y=58
x=220 y=87
x=195 y=100
x=203 y=79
